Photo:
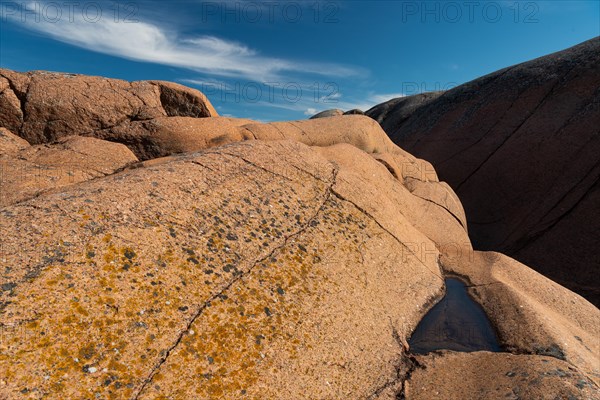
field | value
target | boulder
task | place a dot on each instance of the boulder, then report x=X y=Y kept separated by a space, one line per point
x=532 y=314
x=245 y=260
x=360 y=131
x=328 y=113
x=42 y=106
x=27 y=171
x=163 y=136
x=354 y=111
x=520 y=148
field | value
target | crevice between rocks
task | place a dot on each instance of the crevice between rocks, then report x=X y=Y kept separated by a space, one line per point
x=407 y=364
x=22 y=97
x=254 y=165
x=445 y=208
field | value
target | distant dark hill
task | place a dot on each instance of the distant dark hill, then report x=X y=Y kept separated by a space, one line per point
x=521 y=147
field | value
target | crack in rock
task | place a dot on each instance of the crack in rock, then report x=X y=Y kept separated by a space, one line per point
x=168 y=352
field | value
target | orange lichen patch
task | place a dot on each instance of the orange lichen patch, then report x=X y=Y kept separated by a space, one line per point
x=241 y=340
x=126 y=300
x=233 y=243
x=228 y=345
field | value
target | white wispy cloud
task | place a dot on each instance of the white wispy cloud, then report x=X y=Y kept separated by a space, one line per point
x=308 y=106
x=149 y=42
x=383 y=97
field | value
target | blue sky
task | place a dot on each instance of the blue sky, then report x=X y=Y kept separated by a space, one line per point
x=278 y=60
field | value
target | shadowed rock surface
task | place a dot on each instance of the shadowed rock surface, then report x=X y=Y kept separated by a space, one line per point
x=288 y=260
x=520 y=147
x=394 y=112
x=354 y=111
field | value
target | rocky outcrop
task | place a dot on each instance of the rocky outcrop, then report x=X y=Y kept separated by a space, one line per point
x=27 y=171
x=394 y=112
x=11 y=143
x=520 y=147
x=212 y=269
x=354 y=111
x=286 y=260
x=42 y=107
x=328 y=113
x=336 y=112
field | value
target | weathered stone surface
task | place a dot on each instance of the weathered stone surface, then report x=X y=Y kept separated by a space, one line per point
x=532 y=314
x=284 y=260
x=383 y=198
x=181 y=101
x=42 y=106
x=328 y=113
x=357 y=130
x=164 y=136
x=439 y=193
x=484 y=375
x=394 y=112
x=11 y=143
x=11 y=115
x=243 y=271
x=520 y=147
x=27 y=171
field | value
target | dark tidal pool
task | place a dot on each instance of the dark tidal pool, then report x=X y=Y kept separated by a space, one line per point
x=456 y=323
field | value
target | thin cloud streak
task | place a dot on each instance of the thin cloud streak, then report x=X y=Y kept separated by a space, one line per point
x=148 y=42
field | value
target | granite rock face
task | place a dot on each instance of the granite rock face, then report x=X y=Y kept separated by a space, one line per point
x=247 y=270
x=520 y=147
x=394 y=112
x=42 y=107
x=336 y=112
x=498 y=376
x=28 y=171
x=232 y=259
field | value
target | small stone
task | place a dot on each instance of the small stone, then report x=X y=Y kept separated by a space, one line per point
x=90 y=370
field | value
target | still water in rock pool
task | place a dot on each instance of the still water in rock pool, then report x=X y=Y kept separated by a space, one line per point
x=456 y=323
